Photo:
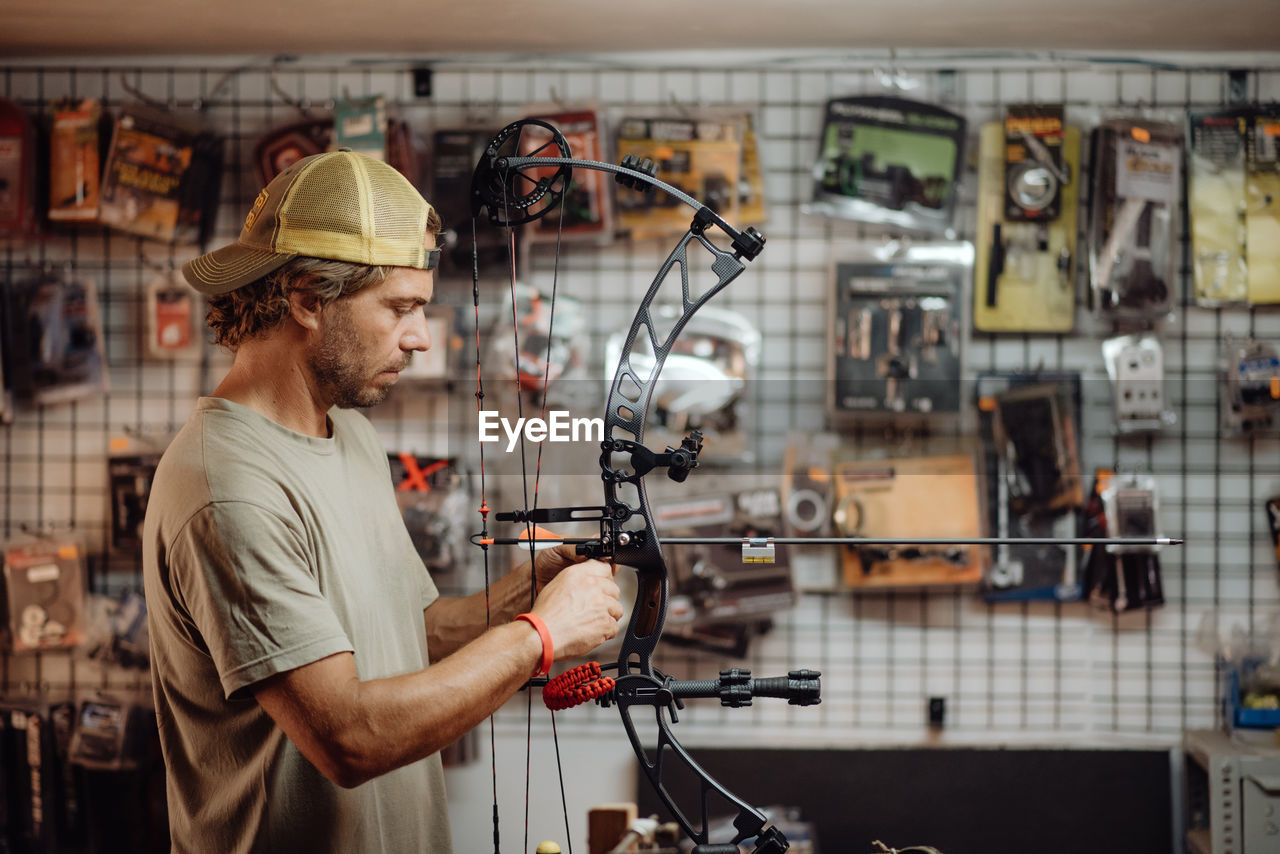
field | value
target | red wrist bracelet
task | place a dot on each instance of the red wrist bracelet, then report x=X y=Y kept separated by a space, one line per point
x=548 y=651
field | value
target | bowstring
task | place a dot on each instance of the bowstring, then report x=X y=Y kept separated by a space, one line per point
x=484 y=514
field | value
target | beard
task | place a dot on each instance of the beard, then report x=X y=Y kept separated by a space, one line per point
x=343 y=371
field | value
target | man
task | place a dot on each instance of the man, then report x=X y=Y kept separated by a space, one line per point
x=292 y=623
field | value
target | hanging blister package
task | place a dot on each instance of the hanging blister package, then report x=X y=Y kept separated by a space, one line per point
x=161 y=177
x=1262 y=205
x=897 y=311
x=454 y=153
x=1028 y=188
x=17 y=171
x=1215 y=203
x=1029 y=422
x=586 y=211
x=1135 y=364
x=890 y=161
x=44 y=585
x=75 y=160
x=434 y=496
x=703 y=158
x=1250 y=398
x=918 y=496
x=542 y=352
x=705 y=382
x=1121 y=578
x=1133 y=245
x=173 y=318
x=725 y=583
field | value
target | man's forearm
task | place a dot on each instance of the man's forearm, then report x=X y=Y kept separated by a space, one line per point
x=453 y=622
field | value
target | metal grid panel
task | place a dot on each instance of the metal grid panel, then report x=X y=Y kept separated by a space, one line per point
x=1011 y=672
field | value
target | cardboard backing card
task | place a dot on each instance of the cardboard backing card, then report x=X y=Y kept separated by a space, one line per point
x=1262 y=206
x=161 y=177
x=1215 y=202
x=889 y=160
x=454 y=154
x=434 y=498
x=360 y=124
x=1133 y=229
x=279 y=149
x=927 y=496
x=53 y=333
x=586 y=211
x=1029 y=422
x=75 y=167
x=1024 y=267
x=1250 y=398
x=17 y=171
x=712 y=584
x=894 y=330
x=707 y=382
x=44 y=592
x=701 y=158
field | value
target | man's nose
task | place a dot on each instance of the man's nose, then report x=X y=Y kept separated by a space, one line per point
x=418 y=335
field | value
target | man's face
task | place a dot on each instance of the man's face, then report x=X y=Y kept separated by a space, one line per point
x=368 y=337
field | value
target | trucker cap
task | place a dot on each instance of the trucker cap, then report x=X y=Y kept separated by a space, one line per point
x=338 y=205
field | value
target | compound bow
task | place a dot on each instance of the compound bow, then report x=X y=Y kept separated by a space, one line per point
x=517 y=182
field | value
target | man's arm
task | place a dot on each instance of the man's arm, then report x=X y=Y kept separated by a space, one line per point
x=453 y=622
x=353 y=731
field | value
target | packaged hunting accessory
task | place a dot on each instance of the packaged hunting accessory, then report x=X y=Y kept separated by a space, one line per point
x=587 y=209
x=1030 y=425
x=174 y=323
x=1250 y=399
x=894 y=329
x=53 y=333
x=889 y=161
x=44 y=588
x=161 y=177
x=1120 y=578
x=17 y=171
x=706 y=383
x=701 y=158
x=876 y=496
x=1216 y=204
x=75 y=161
x=1135 y=364
x=1028 y=191
x=1262 y=206
x=454 y=152
x=1133 y=247
x=730 y=582
x=284 y=146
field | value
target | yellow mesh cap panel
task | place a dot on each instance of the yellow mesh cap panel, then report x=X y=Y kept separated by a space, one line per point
x=354 y=208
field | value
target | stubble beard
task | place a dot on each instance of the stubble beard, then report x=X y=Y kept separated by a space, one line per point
x=341 y=371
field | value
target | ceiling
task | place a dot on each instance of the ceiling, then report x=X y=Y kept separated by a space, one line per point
x=434 y=28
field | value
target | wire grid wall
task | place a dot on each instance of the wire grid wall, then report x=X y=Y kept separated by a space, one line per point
x=1010 y=672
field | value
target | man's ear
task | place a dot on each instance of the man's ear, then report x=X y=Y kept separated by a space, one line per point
x=305 y=308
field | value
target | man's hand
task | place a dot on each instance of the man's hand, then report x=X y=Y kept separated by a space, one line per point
x=548 y=563
x=580 y=603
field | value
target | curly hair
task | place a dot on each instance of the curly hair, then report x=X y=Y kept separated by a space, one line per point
x=258 y=307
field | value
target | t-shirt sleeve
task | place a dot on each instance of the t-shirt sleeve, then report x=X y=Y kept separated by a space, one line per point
x=244 y=579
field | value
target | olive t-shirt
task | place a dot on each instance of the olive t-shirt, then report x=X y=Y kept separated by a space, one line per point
x=264 y=550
